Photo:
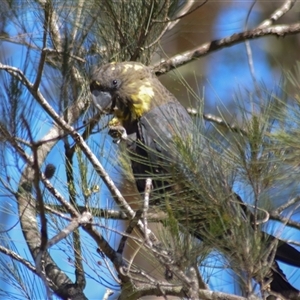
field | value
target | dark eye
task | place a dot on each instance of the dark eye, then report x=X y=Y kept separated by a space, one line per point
x=115 y=83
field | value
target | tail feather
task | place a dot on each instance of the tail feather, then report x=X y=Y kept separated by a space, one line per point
x=288 y=254
x=281 y=285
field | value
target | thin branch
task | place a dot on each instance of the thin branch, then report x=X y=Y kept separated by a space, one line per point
x=53 y=24
x=83 y=219
x=39 y=198
x=249 y=51
x=44 y=179
x=286 y=205
x=107 y=294
x=43 y=54
x=193 y=292
x=171 y=23
x=132 y=224
x=218 y=121
x=79 y=273
x=148 y=188
x=53 y=53
x=176 y=61
x=185 y=11
x=44 y=233
x=177 y=290
x=108 y=251
x=152 y=215
x=77 y=21
x=18 y=258
x=57 y=211
x=278 y=13
x=133 y=256
x=290 y=223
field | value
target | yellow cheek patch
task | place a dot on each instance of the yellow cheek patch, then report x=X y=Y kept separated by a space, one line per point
x=146 y=89
x=114 y=122
x=142 y=100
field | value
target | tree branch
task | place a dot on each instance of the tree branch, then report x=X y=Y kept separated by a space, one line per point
x=167 y=65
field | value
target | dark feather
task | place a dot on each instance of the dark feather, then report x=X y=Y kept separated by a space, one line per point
x=168 y=148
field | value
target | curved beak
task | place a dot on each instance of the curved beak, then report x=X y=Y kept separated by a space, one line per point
x=102 y=100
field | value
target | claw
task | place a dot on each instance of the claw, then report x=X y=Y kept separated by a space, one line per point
x=118 y=133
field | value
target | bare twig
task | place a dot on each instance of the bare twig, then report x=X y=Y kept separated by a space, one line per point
x=278 y=13
x=54 y=53
x=146 y=206
x=18 y=258
x=219 y=121
x=43 y=54
x=184 y=11
x=107 y=294
x=287 y=221
x=83 y=219
x=152 y=216
x=193 y=293
x=132 y=224
x=286 y=205
x=133 y=256
x=105 y=247
x=176 y=61
x=57 y=210
x=44 y=232
x=249 y=51
x=54 y=24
